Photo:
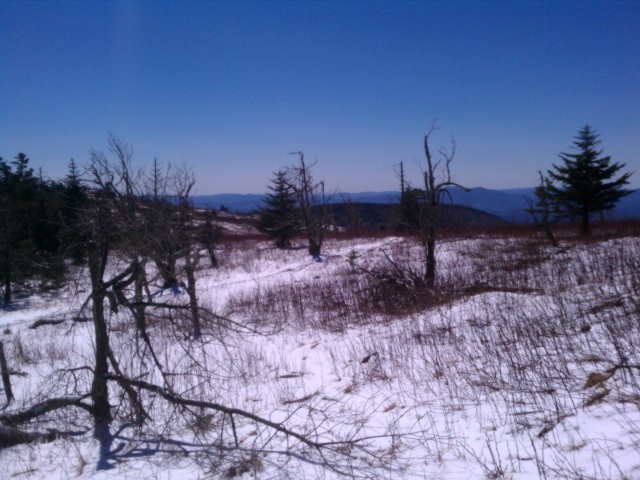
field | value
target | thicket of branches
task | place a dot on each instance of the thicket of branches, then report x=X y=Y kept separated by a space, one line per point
x=523 y=337
x=139 y=238
x=133 y=233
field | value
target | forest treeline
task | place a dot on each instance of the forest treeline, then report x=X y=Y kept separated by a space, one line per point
x=46 y=223
x=39 y=225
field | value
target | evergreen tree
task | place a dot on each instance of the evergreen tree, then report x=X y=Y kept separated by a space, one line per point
x=17 y=200
x=75 y=198
x=31 y=228
x=411 y=202
x=279 y=217
x=584 y=183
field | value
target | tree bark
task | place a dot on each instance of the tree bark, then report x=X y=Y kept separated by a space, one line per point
x=6 y=381
x=99 y=387
x=584 y=223
x=193 y=299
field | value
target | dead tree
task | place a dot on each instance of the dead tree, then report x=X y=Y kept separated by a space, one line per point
x=184 y=181
x=437 y=180
x=117 y=235
x=542 y=209
x=209 y=236
x=111 y=221
x=99 y=234
x=161 y=218
x=4 y=370
x=312 y=202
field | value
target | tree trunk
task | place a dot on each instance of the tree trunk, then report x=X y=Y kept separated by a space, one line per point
x=584 y=224
x=6 y=381
x=193 y=299
x=99 y=389
x=212 y=256
x=430 y=229
x=6 y=277
x=314 y=248
x=549 y=234
x=430 y=263
x=430 y=241
x=167 y=271
x=6 y=268
x=7 y=287
x=139 y=310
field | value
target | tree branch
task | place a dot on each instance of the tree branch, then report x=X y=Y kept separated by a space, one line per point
x=178 y=400
x=45 y=407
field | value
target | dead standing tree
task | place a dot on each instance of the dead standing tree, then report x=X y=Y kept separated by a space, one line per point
x=160 y=215
x=437 y=181
x=117 y=237
x=209 y=235
x=184 y=180
x=312 y=201
x=542 y=209
x=111 y=212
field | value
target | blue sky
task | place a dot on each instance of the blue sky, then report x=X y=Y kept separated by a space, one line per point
x=232 y=87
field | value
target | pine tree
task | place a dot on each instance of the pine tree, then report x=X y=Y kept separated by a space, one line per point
x=411 y=202
x=17 y=222
x=31 y=230
x=584 y=184
x=75 y=199
x=279 y=216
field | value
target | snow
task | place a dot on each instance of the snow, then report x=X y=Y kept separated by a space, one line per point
x=462 y=390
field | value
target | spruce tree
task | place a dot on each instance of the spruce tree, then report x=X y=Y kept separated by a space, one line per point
x=17 y=200
x=584 y=184
x=279 y=217
x=75 y=199
x=31 y=229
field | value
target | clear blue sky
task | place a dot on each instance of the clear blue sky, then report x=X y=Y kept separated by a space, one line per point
x=232 y=87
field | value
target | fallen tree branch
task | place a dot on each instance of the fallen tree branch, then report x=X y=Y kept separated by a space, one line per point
x=141 y=413
x=41 y=322
x=179 y=400
x=10 y=436
x=41 y=408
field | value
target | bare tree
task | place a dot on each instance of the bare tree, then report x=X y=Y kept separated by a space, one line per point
x=111 y=213
x=542 y=209
x=312 y=201
x=437 y=180
x=209 y=236
x=161 y=216
x=184 y=180
x=117 y=231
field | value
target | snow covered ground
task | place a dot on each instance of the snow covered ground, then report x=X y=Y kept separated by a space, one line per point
x=490 y=379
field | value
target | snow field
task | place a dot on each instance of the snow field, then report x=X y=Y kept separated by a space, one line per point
x=488 y=382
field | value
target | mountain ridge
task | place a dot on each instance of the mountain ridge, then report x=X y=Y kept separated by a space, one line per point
x=508 y=204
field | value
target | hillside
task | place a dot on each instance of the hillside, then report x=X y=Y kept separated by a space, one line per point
x=523 y=364
x=385 y=216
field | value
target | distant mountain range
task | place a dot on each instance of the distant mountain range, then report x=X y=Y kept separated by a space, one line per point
x=508 y=204
x=386 y=216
